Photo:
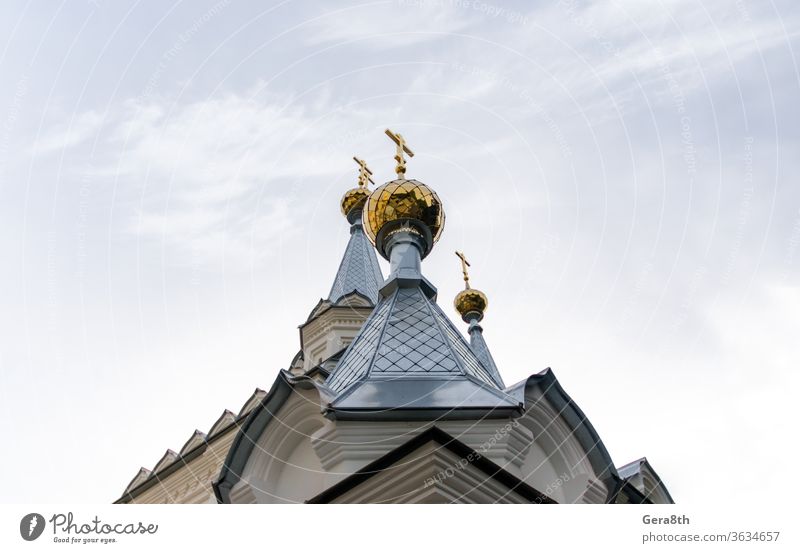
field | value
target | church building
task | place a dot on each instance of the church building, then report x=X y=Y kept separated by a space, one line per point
x=388 y=402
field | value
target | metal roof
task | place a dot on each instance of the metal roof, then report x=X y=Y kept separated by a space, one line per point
x=359 y=270
x=409 y=357
x=481 y=350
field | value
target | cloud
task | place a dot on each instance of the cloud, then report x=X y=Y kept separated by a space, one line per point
x=410 y=22
x=586 y=232
x=66 y=135
x=201 y=165
x=200 y=235
x=221 y=177
x=601 y=58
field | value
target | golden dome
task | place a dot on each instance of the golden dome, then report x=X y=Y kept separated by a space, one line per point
x=471 y=301
x=354 y=199
x=403 y=199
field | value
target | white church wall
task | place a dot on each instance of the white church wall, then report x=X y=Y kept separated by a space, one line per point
x=283 y=467
x=556 y=463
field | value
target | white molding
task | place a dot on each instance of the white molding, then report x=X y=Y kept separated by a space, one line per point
x=327 y=331
x=344 y=446
x=252 y=401
x=168 y=458
x=194 y=441
x=224 y=421
x=430 y=474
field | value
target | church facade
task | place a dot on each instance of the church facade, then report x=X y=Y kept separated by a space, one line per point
x=387 y=401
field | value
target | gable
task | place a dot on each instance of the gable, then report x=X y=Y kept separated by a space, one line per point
x=432 y=467
x=643 y=478
x=140 y=477
x=226 y=419
x=168 y=458
x=197 y=438
x=252 y=402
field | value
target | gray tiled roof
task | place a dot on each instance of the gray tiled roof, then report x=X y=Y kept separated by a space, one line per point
x=409 y=355
x=359 y=270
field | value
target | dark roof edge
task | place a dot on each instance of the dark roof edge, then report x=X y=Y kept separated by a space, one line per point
x=353 y=292
x=420 y=413
x=583 y=429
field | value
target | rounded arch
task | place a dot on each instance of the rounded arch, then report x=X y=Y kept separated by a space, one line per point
x=553 y=459
x=283 y=467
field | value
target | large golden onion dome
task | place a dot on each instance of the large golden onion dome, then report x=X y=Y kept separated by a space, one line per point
x=399 y=200
x=471 y=304
x=355 y=198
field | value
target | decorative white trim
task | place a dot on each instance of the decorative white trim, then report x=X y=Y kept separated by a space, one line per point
x=327 y=332
x=140 y=477
x=430 y=474
x=168 y=458
x=226 y=419
x=195 y=440
x=347 y=445
x=190 y=482
x=252 y=402
x=595 y=492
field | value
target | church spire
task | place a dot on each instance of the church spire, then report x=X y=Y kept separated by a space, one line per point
x=408 y=360
x=359 y=271
x=471 y=305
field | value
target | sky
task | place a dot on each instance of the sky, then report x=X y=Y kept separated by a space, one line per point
x=622 y=175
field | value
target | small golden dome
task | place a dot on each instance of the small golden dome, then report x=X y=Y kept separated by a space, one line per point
x=355 y=198
x=471 y=302
x=403 y=199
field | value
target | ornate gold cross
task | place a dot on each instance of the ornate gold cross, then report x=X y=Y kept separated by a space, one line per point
x=401 y=148
x=364 y=174
x=464 y=265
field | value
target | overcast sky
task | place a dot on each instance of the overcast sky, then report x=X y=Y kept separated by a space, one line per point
x=623 y=176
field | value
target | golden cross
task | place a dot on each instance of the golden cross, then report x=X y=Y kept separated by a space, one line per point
x=364 y=174
x=464 y=265
x=401 y=148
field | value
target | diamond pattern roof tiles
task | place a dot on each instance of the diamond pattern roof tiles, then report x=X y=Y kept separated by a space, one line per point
x=406 y=341
x=359 y=270
x=474 y=366
x=361 y=350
